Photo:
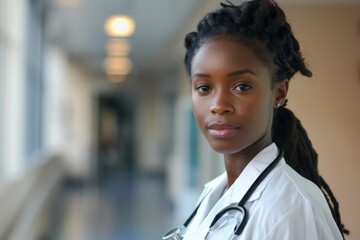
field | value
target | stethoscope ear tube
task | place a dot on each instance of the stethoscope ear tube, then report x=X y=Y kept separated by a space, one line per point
x=236 y=207
x=225 y=210
x=242 y=225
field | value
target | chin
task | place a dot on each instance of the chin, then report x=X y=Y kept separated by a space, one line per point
x=224 y=149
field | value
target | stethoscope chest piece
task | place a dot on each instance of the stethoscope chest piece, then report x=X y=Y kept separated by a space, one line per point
x=174 y=234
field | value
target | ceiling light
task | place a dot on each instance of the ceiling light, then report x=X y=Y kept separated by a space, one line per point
x=120 y=26
x=118 y=47
x=116 y=78
x=117 y=66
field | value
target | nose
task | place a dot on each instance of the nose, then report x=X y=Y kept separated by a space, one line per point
x=221 y=105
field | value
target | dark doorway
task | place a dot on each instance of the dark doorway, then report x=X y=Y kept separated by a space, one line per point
x=115 y=136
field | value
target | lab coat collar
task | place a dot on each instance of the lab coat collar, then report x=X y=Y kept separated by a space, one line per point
x=254 y=168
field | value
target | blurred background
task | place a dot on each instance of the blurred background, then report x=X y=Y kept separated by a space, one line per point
x=97 y=137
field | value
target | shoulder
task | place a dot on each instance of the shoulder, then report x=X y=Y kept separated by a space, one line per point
x=287 y=191
x=294 y=206
x=287 y=183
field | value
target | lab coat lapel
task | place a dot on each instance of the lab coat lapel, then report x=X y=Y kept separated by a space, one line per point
x=209 y=207
x=252 y=172
x=232 y=195
x=236 y=192
x=212 y=193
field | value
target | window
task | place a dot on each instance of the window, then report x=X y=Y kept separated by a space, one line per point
x=1 y=84
x=21 y=63
x=34 y=81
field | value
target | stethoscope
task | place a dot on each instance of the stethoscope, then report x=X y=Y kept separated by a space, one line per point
x=242 y=215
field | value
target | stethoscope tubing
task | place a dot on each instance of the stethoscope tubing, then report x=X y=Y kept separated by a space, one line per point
x=239 y=206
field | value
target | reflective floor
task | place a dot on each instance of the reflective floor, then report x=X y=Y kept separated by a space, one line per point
x=120 y=207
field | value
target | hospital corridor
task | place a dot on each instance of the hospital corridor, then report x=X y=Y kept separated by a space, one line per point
x=123 y=207
x=98 y=140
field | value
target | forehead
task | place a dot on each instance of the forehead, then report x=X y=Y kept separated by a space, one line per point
x=225 y=52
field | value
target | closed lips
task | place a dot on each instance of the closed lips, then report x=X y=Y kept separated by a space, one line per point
x=222 y=130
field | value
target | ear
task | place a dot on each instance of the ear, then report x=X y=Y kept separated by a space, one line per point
x=281 y=90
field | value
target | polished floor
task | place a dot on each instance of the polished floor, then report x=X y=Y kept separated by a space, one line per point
x=120 y=207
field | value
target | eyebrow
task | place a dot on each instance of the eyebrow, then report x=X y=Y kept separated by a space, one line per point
x=240 y=72
x=232 y=74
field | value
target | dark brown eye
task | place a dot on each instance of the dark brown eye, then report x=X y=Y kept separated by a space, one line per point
x=203 y=88
x=242 y=87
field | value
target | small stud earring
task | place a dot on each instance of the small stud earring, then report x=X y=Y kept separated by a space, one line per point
x=278 y=104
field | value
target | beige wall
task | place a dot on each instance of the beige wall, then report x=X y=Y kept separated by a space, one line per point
x=328 y=103
x=77 y=118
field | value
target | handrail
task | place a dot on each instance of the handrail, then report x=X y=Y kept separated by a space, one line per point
x=22 y=201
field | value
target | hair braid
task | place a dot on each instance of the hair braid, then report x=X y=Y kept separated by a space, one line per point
x=335 y=205
x=301 y=156
x=261 y=21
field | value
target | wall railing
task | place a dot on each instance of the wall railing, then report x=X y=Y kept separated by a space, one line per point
x=25 y=204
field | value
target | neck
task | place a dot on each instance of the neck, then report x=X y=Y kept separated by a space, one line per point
x=236 y=163
x=234 y=169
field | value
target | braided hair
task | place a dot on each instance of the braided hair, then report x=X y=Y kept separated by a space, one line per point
x=262 y=26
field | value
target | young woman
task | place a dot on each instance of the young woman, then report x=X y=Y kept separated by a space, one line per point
x=240 y=62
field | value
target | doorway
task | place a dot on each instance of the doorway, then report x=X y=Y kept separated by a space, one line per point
x=115 y=136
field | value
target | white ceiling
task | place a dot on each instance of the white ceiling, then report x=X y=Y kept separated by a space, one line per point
x=160 y=28
x=158 y=23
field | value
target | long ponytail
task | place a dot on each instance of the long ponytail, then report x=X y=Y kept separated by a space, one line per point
x=290 y=135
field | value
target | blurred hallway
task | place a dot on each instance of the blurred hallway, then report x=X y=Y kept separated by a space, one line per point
x=71 y=94
x=124 y=206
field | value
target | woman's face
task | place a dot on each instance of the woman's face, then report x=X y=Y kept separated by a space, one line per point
x=232 y=96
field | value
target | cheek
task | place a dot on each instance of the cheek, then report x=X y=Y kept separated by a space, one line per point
x=264 y=116
x=196 y=109
x=258 y=110
x=199 y=110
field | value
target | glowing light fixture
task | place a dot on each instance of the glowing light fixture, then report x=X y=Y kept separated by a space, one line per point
x=117 y=66
x=118 y=47
x=116 y=78
x=120 y=26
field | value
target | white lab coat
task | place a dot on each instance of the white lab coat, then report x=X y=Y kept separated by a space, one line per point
x=284 y=206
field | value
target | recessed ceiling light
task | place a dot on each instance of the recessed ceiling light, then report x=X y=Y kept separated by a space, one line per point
x=118 y=47
x=117 y=65
x=120 y=26
x=116 y=78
